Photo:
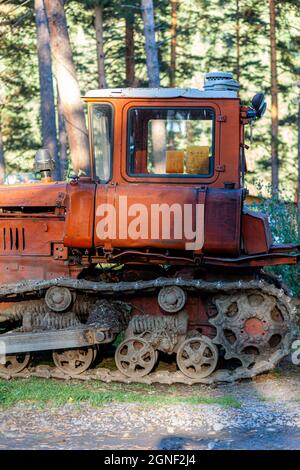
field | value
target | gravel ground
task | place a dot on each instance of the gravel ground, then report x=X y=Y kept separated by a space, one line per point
x=269 y=418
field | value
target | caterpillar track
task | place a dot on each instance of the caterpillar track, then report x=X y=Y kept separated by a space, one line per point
x=251 y=327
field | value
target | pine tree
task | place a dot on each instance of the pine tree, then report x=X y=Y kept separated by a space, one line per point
x=68 y=86
x=238 y=44
x=62 y=139
x=2 y=159
x=99 y=41
x=129 y=49
x=150 y=43
x=174 y=5
x=48 y=115
x=18 y=87
x=298 y=161
x=274 y=100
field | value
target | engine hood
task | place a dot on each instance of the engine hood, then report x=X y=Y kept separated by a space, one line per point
x=33 y=195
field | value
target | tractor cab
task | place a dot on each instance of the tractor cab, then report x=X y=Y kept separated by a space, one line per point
x=163 y=135
x=160 y=135
x=166 y=135
x=177 y=149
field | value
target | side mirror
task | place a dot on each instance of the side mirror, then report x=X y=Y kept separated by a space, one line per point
x=259 y=104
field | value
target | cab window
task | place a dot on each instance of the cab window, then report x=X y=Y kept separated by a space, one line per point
x=171 y=142
x=102 y=140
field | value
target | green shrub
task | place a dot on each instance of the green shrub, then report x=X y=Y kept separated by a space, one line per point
x=282 y=216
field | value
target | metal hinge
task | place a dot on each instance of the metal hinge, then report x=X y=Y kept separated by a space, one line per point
x=220 y=167
x=221 y=118
x=60 y=251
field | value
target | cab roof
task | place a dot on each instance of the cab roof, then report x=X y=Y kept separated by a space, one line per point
x=158 y=93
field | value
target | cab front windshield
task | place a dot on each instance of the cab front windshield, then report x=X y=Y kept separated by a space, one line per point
x=173 y=142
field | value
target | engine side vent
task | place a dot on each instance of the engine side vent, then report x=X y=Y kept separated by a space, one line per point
x=220 y=81
x=13 y=239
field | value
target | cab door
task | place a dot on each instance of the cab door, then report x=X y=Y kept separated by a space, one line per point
x=168 y=159
x=102 y=123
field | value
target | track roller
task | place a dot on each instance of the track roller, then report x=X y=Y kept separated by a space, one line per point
x=15 y=363
x=197 y=357
x=74 y=361
x=135 y=357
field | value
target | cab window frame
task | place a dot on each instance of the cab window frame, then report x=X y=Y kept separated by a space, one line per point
x=112 y=120
x=203 y=176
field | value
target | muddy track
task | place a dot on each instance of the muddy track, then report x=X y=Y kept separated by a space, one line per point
x=166 y=377
x=106 y=288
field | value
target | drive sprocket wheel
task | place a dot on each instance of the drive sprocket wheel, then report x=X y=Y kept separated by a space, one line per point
x=135 y=357
x=15 y=363
x=197 y=357
x=253 y=326
x=74 y=361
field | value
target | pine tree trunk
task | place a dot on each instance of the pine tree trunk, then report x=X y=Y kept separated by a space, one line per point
x=129 y=46
x=99 y=39
x=298 y=186
x=274 y=101
x=173 y=42
x=150 y=43
x=68 y=86
x=47 y=105
x=238 y=32
x=2 y=160
x=63 y=139
x=159 y=144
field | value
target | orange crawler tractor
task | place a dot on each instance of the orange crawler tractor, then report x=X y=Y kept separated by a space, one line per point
x=153 y=246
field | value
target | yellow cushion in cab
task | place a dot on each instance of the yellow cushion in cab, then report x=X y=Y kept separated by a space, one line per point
x=197 y=159
x=174 y=161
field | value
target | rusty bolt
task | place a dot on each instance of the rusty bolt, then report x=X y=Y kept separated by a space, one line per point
x=100 y=336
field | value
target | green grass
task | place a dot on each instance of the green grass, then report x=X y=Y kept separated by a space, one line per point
x=41 y=392
x=277 y=372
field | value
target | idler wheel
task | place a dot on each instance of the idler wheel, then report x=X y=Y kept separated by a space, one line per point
x=197 y=357
x=58 y=299
x=171 y=299
x=135 y=357
x=15 y=363
x=74 y=361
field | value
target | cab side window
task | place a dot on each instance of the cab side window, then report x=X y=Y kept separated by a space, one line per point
x=171 y=142
x=102 y=140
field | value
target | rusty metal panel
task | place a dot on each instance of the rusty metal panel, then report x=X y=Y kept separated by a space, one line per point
x=79 y=215
x=256 y=232
x=18 y=268
x=223 y=210
x=152 y=199
x=28 y=236
x=32 y=195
